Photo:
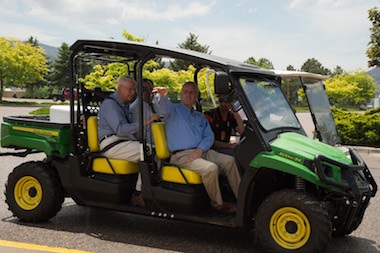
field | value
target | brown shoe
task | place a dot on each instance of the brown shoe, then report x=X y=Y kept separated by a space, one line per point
x=228 y=208
x=138 y=199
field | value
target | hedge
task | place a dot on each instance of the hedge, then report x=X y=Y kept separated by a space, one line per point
x=358 y=128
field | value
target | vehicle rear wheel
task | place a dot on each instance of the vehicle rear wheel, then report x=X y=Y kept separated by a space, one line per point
x=33 y=192
x=293 y=221
x=55 y=99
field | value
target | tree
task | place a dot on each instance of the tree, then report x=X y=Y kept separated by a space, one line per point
x=20 y=63
x=353 y=88
x=128 y=36
x=262 y=62
x=33 y=41
x=373 y=51
x=337 y=71
x=190 y=43
x=104 y=76
x=314 y=66
x=60 y=76
x=291 y=68
x=158 y=63
x=291 y=88
x=41 y=82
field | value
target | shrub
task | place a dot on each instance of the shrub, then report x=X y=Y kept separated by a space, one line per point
x=357 y=128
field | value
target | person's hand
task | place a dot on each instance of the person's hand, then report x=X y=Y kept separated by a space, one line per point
x=151 y=119
x=231 y=145
x=154 y=117
x=195 y=155
x=160 y=90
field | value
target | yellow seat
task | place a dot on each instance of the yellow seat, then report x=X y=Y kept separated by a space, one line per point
x=171 y=173
x=102 y=165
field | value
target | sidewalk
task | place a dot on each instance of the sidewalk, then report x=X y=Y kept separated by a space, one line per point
x=365 y=150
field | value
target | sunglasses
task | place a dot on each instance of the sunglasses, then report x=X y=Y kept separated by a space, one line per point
x=227 y=99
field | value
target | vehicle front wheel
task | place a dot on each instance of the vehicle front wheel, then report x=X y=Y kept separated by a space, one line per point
x=293 y=221
x=33 y=192
x=55 y=99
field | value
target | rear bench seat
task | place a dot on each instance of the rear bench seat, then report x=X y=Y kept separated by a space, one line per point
x=170 y=173
x=102 y=165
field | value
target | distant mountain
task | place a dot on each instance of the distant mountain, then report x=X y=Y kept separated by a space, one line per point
x=51 y=52
x=375 y=74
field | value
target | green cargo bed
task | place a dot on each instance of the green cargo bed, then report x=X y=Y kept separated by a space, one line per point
x=36 y=132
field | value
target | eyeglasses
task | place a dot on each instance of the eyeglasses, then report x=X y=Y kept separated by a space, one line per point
x=227 y=98
x=147 y=89
x=129 y=89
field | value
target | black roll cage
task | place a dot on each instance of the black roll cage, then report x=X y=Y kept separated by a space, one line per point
x=141 y=53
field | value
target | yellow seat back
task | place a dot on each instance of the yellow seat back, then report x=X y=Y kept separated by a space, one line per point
x=102 y=165
x=159 y=136
x=92 y=133
x=171 y=173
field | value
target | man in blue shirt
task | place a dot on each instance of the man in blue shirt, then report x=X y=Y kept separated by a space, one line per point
x=114 y=123
x=189 y=138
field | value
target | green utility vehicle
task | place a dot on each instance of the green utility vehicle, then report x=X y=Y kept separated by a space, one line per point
x=295 y=192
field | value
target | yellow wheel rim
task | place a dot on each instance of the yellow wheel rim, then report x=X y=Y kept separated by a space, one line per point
x=290 y=228
x=28 y=193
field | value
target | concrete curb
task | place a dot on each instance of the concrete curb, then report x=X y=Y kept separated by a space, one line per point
x=365 y=150
x=25 y=105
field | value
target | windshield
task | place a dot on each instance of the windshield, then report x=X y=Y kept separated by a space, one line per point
x=320 y=108
x=269 y=104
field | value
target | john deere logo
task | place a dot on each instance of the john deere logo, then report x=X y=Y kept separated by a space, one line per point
x=36 y=131
x=296 y=159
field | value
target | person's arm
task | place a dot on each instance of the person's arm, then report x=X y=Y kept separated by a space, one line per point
x=240 y=125
x=114 y=116
x=134 y=108
x=165 y=107
x=151 y=119
x=207 y=136
x=224 y=145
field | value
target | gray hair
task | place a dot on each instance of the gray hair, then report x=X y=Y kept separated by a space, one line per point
x=124 y=79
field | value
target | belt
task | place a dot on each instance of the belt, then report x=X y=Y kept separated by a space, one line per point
x=105 y=137
x=179 y=150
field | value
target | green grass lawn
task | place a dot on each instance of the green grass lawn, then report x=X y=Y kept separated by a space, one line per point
x=41 y=111
x=348 y=108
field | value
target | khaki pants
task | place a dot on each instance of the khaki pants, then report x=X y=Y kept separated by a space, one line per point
x=127 y=150
x=209 y=166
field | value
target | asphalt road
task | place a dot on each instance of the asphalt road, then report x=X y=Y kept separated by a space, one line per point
x=99 y=230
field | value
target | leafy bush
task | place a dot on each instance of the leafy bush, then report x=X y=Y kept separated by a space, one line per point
x=358 y=128
x=373 y=111
x=39 y=92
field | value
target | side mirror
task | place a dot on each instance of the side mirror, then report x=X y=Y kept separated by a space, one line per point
x=221 y=81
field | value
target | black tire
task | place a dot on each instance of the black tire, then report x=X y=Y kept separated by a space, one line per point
x=55 y=99
x=293 y=221
x=33 y=192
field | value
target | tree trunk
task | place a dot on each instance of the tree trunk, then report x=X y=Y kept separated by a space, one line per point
x=1 y=89
x=31 y=91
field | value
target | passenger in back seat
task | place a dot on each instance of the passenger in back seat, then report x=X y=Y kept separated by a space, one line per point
x=189 y=138
x=114 y=123
x=151 y=106
x=224 y=122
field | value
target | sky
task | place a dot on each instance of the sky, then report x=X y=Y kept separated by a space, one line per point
x=287 y=32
